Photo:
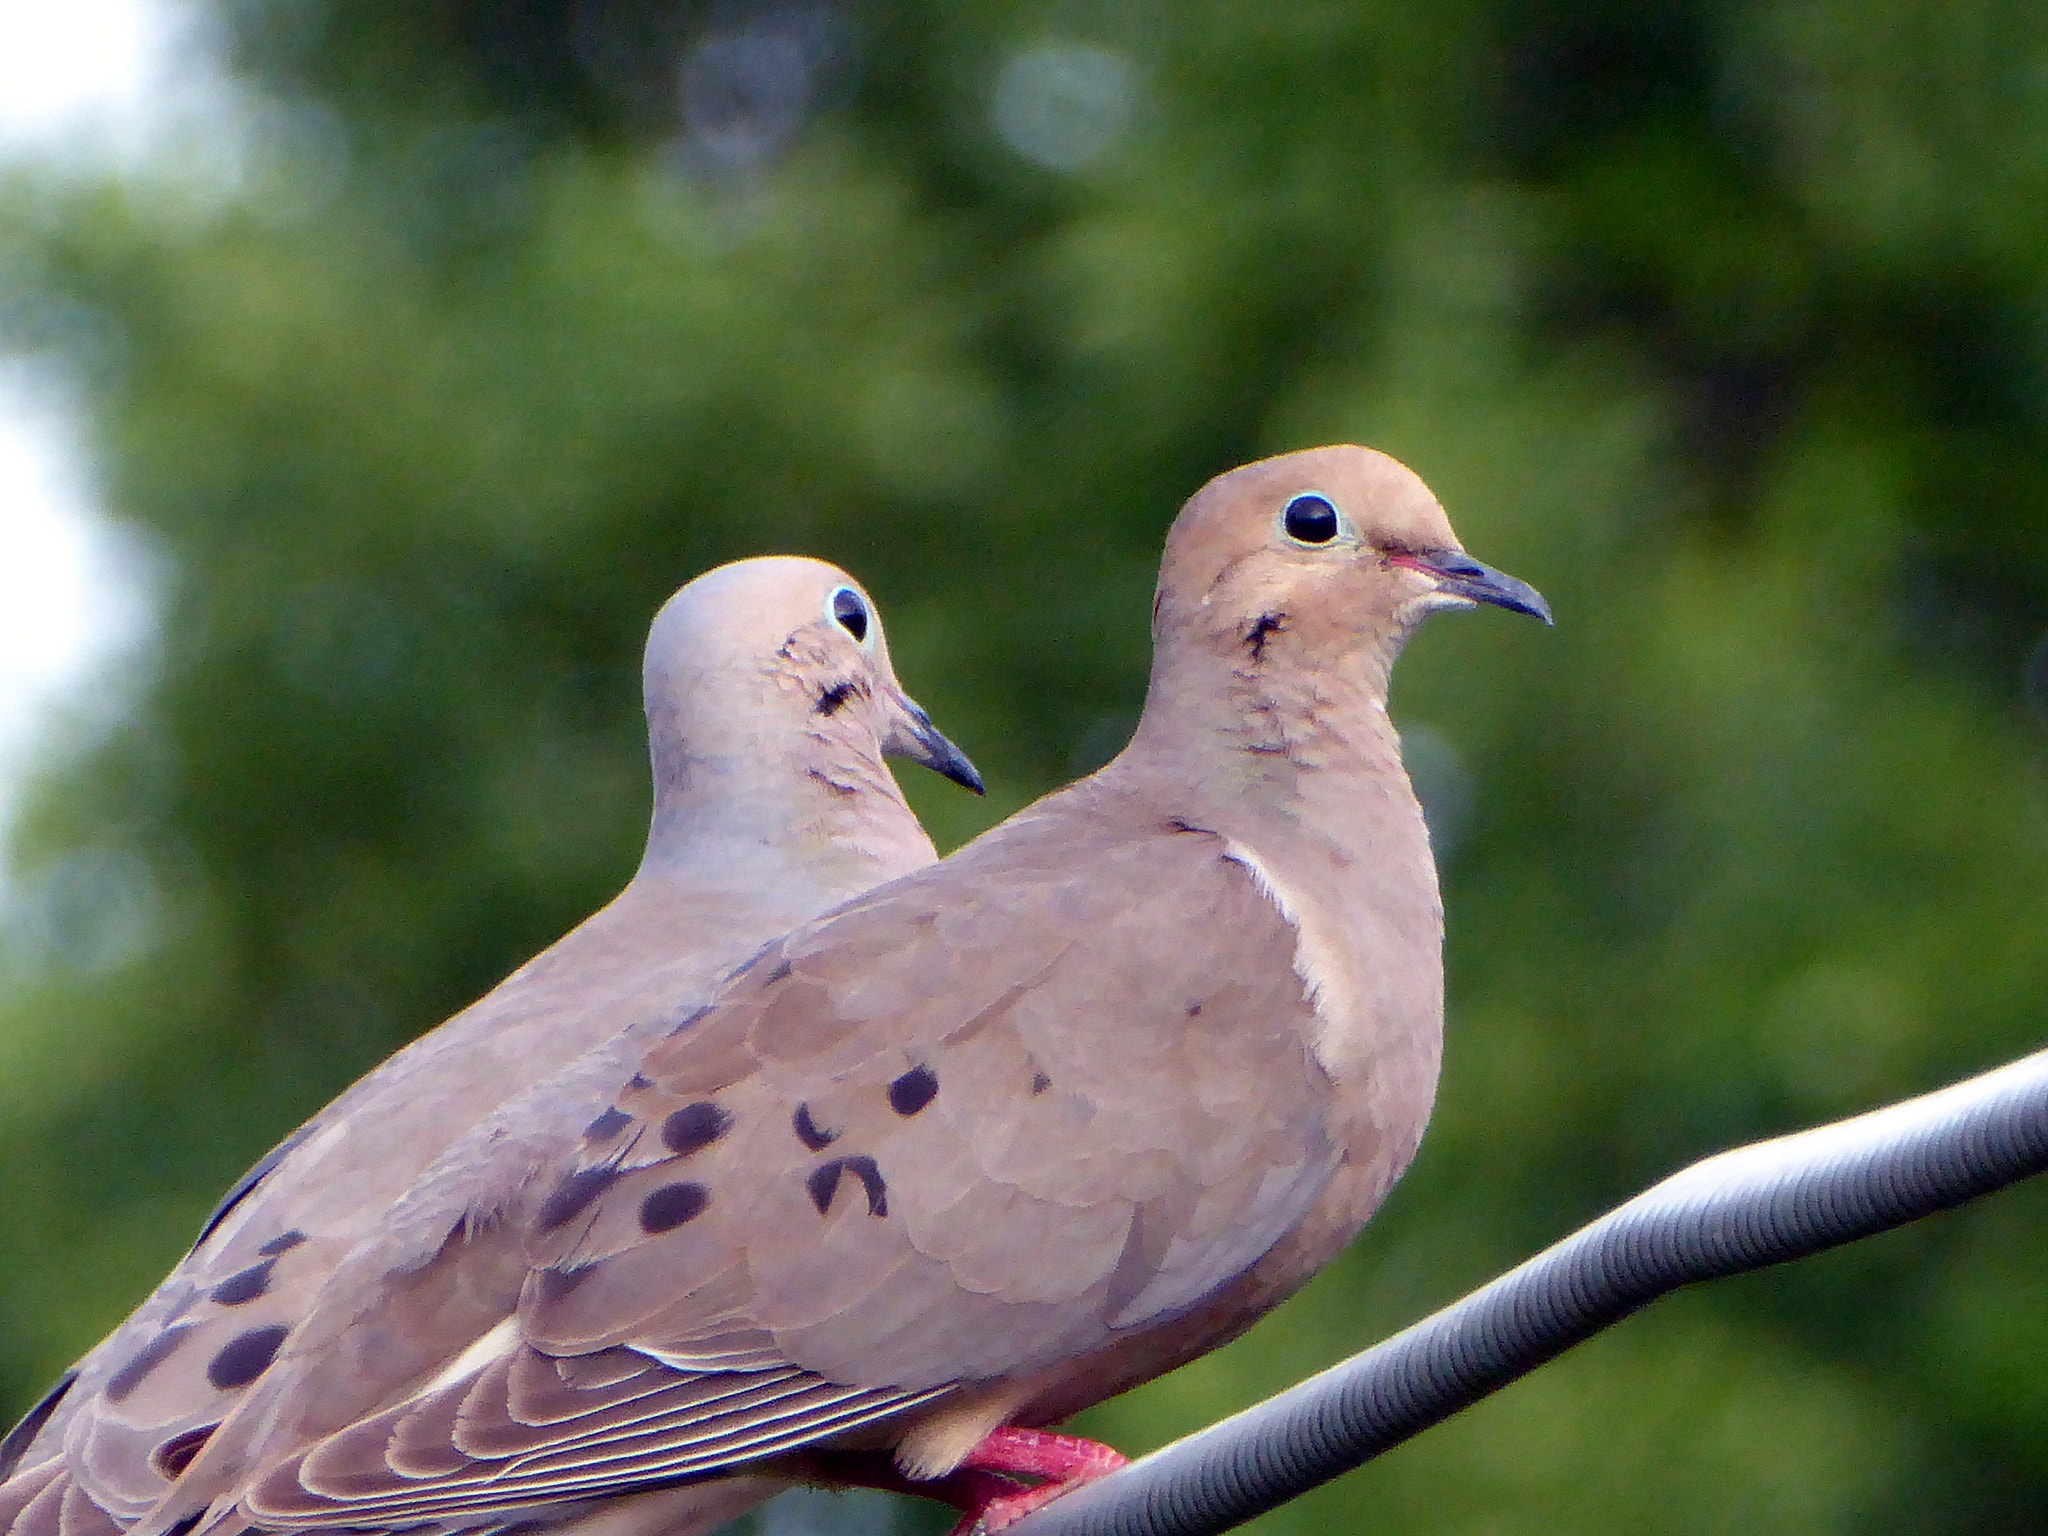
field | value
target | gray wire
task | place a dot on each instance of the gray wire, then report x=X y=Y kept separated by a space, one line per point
x=1746 y=1209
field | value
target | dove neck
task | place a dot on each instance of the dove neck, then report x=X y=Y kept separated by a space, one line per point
x=820 y=809
x=1265 y=737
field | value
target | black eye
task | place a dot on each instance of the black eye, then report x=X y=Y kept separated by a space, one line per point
x=851 y=612
x=1311 y=519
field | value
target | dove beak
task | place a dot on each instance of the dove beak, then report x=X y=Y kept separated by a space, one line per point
x=912 y=735
x=1459 y=575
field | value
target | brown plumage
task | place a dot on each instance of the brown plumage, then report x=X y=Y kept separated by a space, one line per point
x=770 y=701
x=980 y=1148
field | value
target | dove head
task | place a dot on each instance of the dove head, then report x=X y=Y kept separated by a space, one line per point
x=1321 y=562
x=771 y=703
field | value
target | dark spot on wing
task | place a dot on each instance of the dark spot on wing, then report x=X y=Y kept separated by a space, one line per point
x=284 y=1242
x=554 y=1284
x=779 y=972
x=639 y=1082
x=1263 y=629
x=1039 y=1083
x=672 y=1205
x=239 y=1190
x=573 y=1196
x=824 y=1183
x=1194 y=1010
x=913 y=1090
x=694 y=1127
x=245 y=1357
x=687 y=1020
x=19 y=1438
x=831 y=700
x=145 y=1360
x=177 y=1453
x=607 y=1125
x=808 y=1130
x=184 y=1527
x=244 y=1285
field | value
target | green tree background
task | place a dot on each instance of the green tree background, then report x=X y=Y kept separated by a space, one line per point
x=1726 y=325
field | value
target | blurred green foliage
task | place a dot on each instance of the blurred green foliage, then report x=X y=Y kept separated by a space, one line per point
x=1726 y=325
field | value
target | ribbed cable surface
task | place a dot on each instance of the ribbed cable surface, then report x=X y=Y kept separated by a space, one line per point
x=1742 y=1210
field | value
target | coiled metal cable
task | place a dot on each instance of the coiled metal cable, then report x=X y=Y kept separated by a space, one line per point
x=1742 y=1210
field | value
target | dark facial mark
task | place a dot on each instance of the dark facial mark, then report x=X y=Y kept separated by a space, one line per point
x=244 y=1285
x=808 y=1130
x=1039 y=1083
x=694 y=1127
x=832 y=784
x=19 y=1438
x=176 y=1454
x=639 y=1082
x=913 y=1090
x=607 y=1125
x=672 y=1205
x=833 y=699
x=824 y=1183
x=573 y=1196
x=245 y=1357
x=284 y=1242
x=1267 y=625
x=145 y=1360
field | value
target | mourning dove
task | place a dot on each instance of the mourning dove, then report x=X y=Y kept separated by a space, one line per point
x=770 y=703
x=982 y=1147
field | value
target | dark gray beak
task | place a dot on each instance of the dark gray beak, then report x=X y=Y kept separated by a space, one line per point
x=918 y=740
x=1461 y=576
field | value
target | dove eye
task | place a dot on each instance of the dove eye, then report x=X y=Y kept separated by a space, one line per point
x=849 y=612
x=1310 y=519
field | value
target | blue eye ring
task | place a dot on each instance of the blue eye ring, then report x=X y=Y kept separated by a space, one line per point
x=849 y=610
x=1311 y=519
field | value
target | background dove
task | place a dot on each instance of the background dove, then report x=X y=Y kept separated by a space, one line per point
x=770 y=703
x=997 y=1140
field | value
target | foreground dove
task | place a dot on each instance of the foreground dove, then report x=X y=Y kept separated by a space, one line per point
x=978 y=1149
x=770 y=702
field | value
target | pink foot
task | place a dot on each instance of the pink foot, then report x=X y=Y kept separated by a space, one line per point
x=988 y=1488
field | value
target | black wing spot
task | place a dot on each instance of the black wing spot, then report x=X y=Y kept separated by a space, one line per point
x=177 y=1453
x=687 y=1020
x=824 y=1183
x=145 y=1360
x=245 y=1357
x=244 y=1285
x=23 y=1434
x=639 y=1082
x=672 y=1205
x=607 y=1125
x=551 y=1285
x=239 y=1190
x=284 y=1242
x=809 y=1132
x=694 y=1127
x=913 y=1090
x=573 y=1196
x=833 y=699
x=1039 y=1083
x=184 y=1527
x=1194 y=1010
x=779 y=972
